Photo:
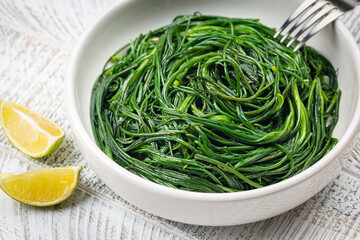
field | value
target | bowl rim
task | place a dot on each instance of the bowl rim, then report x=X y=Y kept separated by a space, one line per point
x=79 y=131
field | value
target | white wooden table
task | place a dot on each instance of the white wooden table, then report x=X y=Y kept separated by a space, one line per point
x=36 y=40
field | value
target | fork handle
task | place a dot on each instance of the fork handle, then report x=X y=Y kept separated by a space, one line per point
x=345 y=5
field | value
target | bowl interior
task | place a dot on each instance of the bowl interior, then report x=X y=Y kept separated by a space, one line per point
x=130 y=18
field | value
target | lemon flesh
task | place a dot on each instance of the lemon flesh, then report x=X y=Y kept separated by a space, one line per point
x=43 y=187
x=29 y=131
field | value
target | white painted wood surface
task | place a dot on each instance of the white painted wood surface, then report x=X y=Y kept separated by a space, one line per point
x=36 y=40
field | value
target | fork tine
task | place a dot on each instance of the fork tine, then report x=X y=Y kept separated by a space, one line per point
x=294 y=15
x=320 y=14
x=316 y=6
x=325 y=21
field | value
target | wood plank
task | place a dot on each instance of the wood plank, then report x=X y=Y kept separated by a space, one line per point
x=334 y=213
x=82 y=216
x=60 y=22
x=352 y=22
x=351 y=162
x=37 y=40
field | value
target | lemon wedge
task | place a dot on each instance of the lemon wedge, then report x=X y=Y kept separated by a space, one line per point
x=43 y=187
x=30 y=132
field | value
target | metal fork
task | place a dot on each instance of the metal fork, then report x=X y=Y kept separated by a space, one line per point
x=312 y=16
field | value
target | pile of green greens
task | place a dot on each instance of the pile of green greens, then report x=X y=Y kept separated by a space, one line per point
x=215 y=104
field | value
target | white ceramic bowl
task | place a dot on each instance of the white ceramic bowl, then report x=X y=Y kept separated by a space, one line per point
x=125 y=21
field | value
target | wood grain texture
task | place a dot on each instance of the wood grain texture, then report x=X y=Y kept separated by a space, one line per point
x=352 y=22
x=60 y=22
x=82 y=216
x=37 y=38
